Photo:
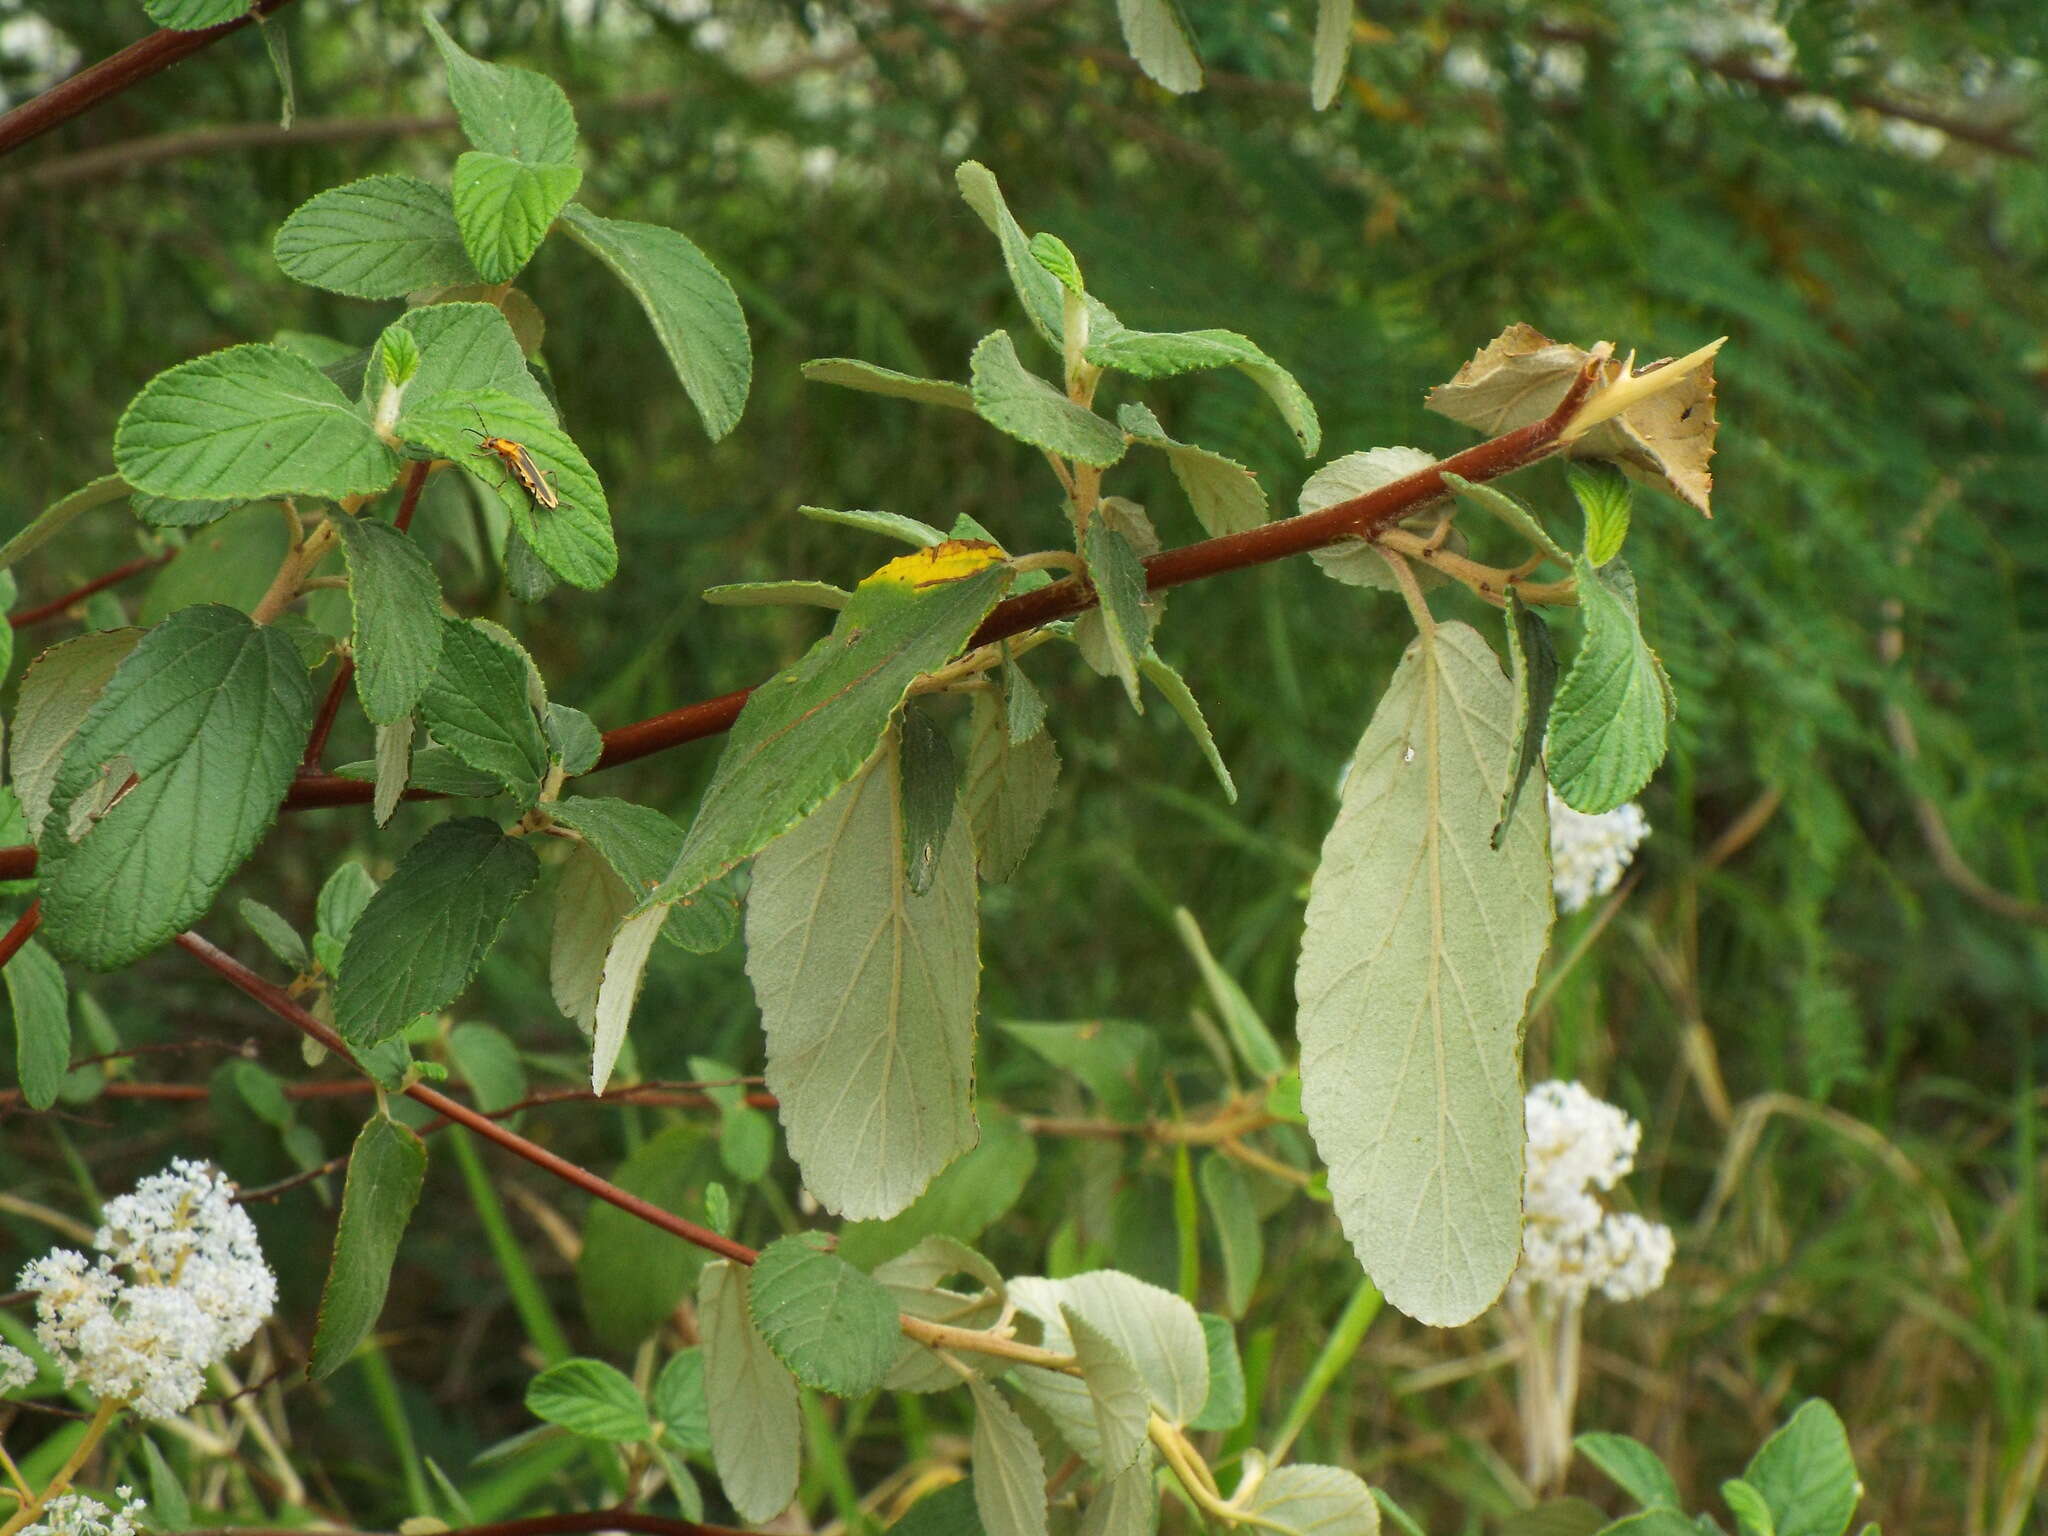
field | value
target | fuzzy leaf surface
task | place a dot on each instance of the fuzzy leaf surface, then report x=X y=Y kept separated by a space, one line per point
x=830 y=1324
x=41 y=1006
x=1158 y=35
x=478 y=706
x=1007 y=790
x=1225 y=495
x=1014 y=400
x=386 y=1168
x=379 y=238
x=873 y=379
x=756 y=1434
x=1609 y=724
x=1422 y=943
x=396 y=600
x=57 y=690
x=506 y=110
x=505 y=207
x=590 y=1397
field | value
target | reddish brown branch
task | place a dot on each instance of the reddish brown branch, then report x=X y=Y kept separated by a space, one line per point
x=316 y=740
x=24 y=928
x=279 y=1002
x=1359 y=517
x=114 y=74
x=57 y=606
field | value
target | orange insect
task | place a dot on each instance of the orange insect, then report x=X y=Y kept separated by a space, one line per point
x=518 y=464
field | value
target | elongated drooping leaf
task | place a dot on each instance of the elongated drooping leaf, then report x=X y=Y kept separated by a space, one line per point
x=1225 y=495
x=1009 y=1473
x=506 y=110
x=1497 y=503
x=812 y=726
x=385 y=1171
x=867 y=996
x=929 y=789
x=625 y=965
x=504 y=208
x=1224 y=1408
x=1333 y=50
x=1124 y=1505
x=396 y=600
x=1236 y=1221
x=1316 y=1501
x=379 y=238
x=1159 y=354
x=56 y=691
x=829 y=1323
x=479 y=707
x=1037 y=289
x=1118 y=576
x=871 y=378
x=572 y=538
x=209 y=713
x=694 y=312
x=1013 y=399
x=590 y=1398
x=1160 y=40
x=1008 y=789
x=428 y=928
x=777 y=594
x=42 y=1023
x=1609 y=724
x=755 y=1429
x=1163 y=676
x=58 y=516
x=1532 y=667
x=893 y=525
x=1421 y=946
x=248 y=422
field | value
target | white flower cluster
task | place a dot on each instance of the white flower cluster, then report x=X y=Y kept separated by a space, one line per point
x=179 y=1284
x=1571 y=1244
x=16 y=1369
x=1588 y=853
x=80 y=1514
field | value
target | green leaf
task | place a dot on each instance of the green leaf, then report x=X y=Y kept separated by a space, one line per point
x=1333 y=51
x=960 y=1203
x=379 y=238
x=1532 y=668
x=193 y=15
x=1009 y=1473
x=1609 y=724
x=1118 y=576
x=1023 y=704
x=385 y=1170
x=398 y=354
x=1161 y=354
x=1606 y=497
x=167 y=1501
x=814 y=725
x=1225 y=495
x=574 y=539
x=1422 y=943
x=1117 y=1061
x=629 y=1275
x=1806 y=1473
x=1248 y=1032
x=507 y=111
x=1158 y=35
x=248 y=422
x=574 y=741
x=639 y=845
x=396 y=601
x=1236 y=1220
x=1510 y=512
x=465 y=350
x=679 y=1401
x=1122 y=1405
x=1358 y=562
x=695 y=314
x=57 y=690
x=1124 y=1505
x=342 y=900
x=1752 y=1514
x=867 y=997
x=830 y=1324
x=1315 y=1501
x=41 y=1004
x=278 y=936
x=928 y=788
x=489 y=1064
x=1224 y=1408
x=1014 y=400
x=231 y=563
x=1659 y=1522
x=478 y=706
x=1051 y=253
x=1181 y=697
x=873 y=379
x=60 y=514
x=1038 y=290
x=1633 y=1466
x=1155 y=1330
x=755 y=1427
x=947 y=1511
x=1008 y=788
x=505 y=209
x=589 y=1397
x=777 y=594
x=210 y=714
x=888 y=524
x=425 y=932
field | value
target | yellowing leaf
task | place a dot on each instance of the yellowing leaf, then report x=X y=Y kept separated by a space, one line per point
x=948 y=561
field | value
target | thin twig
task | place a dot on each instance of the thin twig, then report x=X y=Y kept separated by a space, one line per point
x=323 y=723
x=24 y=928
x=56 y=607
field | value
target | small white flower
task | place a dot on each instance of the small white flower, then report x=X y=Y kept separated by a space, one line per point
x=80 y=1514
x=16 y=1369
x=1570 y=1243
x=179 y=1284
x=1588 y=853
